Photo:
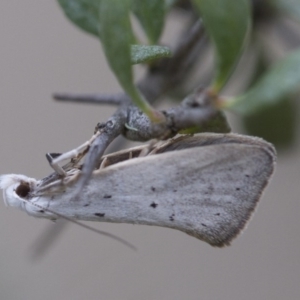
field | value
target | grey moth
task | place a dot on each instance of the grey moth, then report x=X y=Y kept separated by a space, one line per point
x=206 y=185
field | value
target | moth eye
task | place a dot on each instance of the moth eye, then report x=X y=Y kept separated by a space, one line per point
x=23 y=189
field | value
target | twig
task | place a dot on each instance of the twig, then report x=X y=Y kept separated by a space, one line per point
x=165 y=75
x=116 y=99
x=109 y=131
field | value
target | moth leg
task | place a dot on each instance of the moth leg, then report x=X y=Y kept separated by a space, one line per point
x=55 y=166
x=72 y=153
x=130 y=155
x=54 y=159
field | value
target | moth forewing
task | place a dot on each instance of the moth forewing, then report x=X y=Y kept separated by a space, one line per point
x=206 y=185
x=207 y=192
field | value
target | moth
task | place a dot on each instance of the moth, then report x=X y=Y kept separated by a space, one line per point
x=206 y=185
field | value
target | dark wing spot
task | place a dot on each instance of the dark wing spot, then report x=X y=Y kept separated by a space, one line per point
x=153 y=204
x=204 y=225
x=85 y=205
x=172 y=217
x=153 y=188
x=107 y=196
x=217 y=214
x=23 y=189
x=101 y=215
x=41 y=211
x=237 y=189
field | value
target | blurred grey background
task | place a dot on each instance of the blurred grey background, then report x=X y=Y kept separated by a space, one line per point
x=41 y=52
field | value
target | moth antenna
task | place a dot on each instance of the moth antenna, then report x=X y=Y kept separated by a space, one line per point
x=145 y=151
x=158 y=145
x=103 y=163
x=45 y=240
x=153 y=151
x=114 y=237
x=149 y=149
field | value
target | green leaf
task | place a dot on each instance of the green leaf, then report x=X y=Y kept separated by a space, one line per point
x=151 y=15
x=276 y=123
x=291 y=7
x=143 y=54
x=116 y=36
x=169 y=4
x=83 y=13
x=281 y=80
x=228 y=24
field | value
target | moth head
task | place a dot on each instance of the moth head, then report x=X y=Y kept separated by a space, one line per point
x=16 y=188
